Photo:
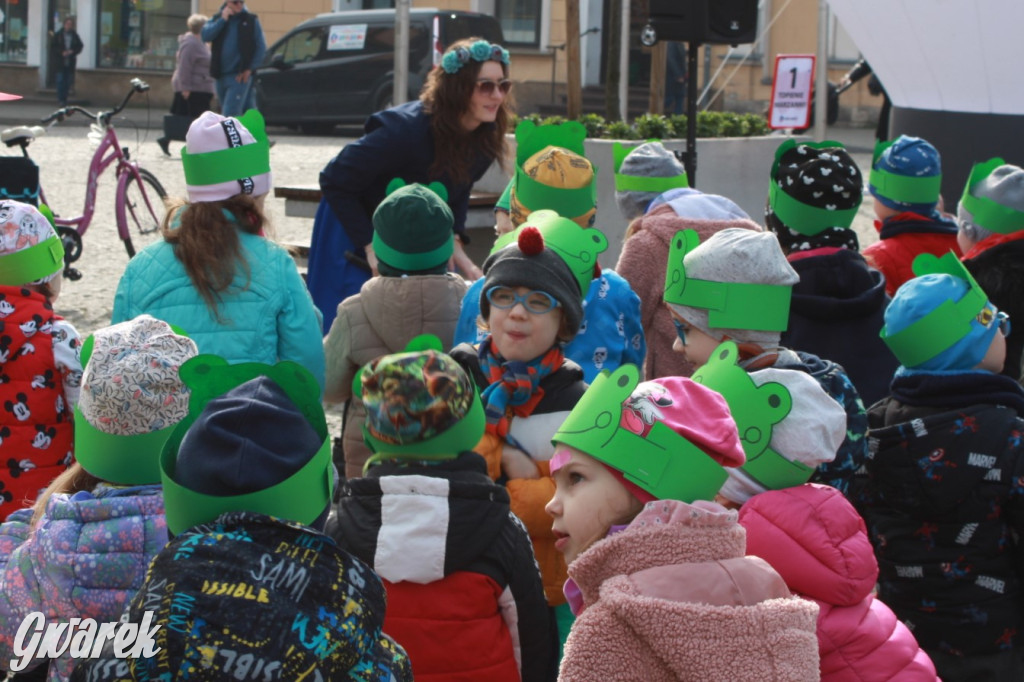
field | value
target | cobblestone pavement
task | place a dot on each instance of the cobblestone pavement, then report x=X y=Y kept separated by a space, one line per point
x=64 y=153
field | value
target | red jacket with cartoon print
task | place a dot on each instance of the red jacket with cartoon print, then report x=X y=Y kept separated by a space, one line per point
x=35 y=418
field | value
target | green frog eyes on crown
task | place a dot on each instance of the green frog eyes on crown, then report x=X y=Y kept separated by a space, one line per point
x=755 y=409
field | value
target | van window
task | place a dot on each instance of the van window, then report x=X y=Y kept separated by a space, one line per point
x=304 y=46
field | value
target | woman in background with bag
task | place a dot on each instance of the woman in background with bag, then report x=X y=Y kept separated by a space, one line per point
x=192 y=83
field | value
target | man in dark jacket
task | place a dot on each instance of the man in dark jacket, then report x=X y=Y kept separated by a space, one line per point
x=65 y=49
x=237 y=48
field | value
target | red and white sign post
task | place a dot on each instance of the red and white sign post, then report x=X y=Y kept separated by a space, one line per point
x=792 y=88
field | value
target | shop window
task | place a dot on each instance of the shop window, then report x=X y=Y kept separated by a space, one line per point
x=140 y=34
x=520 y=21
x=13 y=30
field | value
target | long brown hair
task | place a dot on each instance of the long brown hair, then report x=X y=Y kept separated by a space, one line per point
x=446 y=97
x=72 y=480
x=206 y=242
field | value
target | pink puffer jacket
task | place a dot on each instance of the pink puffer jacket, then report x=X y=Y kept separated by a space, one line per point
x=672 y=598
x=817 y=542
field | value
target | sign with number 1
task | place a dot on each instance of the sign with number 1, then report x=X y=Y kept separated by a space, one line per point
x=792 y=88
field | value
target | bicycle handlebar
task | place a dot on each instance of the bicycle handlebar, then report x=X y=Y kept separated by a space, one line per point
x=138 y=85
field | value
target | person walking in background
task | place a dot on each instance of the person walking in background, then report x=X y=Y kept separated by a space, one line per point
x=675 y=78
x=65 y=48
x=192 y=83
x=238 y=47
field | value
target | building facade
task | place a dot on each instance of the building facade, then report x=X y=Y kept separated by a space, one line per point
x=127 y=38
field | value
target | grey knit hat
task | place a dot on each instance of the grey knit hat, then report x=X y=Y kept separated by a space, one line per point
x=737 y=255
x=810 y=433
x=997 y=198
x=649 y=160
x=530 y=263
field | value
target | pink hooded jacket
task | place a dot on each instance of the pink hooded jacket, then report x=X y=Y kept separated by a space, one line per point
x=817 y=542
x=643 y=262
x=672 y=597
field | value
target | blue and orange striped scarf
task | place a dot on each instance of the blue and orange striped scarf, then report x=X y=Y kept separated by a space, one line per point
x=513 y=384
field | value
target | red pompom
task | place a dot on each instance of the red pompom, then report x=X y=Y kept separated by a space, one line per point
x=531 y=241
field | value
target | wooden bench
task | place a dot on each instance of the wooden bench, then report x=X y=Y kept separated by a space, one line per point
x=301 y=202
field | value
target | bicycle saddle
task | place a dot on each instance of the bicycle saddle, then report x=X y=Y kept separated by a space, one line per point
x=14 y=136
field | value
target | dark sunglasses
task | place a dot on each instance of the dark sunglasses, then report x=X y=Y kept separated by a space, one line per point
x=486 y=86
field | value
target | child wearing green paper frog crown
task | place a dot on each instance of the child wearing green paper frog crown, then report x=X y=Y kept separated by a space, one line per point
x=465 y=598
x=532 y=304
x=214 y=273
x=552 y=174
x=657 y=573
x=945 y=493
x=736 y=285
x=808 y=532
x=83 y=549
x=249 y=583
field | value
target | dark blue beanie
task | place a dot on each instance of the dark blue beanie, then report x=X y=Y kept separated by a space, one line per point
x=249 y=439
x=910 y=157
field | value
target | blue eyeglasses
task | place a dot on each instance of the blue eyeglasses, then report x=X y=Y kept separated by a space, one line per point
x=681 y=330
x=989 y=316
x=536 y=302
x=1003 y=320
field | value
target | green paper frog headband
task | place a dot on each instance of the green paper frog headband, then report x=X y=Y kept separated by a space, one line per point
x=987 y=213
x=408 y=206
x=756 y=409
x=579 y=247
x=420 y=404
x=662 y=462
x=903 y=188
x=730 y=305
x=530 y=139
x=303 y=496
x=238 y=161
x=640 y=183
x=795 y=214
x=945 y=325
x=32 y=263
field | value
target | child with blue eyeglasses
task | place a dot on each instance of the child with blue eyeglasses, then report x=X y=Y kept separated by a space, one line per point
x=531 y=304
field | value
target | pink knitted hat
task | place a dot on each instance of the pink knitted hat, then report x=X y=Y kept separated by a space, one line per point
x=208 y=177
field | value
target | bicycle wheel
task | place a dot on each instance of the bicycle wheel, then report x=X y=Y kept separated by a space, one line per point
x=141 y=211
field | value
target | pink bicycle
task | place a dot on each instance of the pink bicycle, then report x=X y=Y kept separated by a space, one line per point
x=140 y=198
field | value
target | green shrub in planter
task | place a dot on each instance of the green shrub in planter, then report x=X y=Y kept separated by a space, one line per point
x=594 y=123
x=620 y=130
x=653 y=126
x=678 y=123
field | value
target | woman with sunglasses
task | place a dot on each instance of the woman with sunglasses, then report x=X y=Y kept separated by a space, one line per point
x=531 y=304
x=451 y=134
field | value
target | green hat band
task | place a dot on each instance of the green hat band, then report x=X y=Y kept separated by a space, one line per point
x=303 y=496
x=569 y=203
x=905 y=189
x=807 y=220
x=578 y=246
x=306 y=493
x=126 y=460
x=235 y=163
x=756 y=410
x=225 y=165
x=637 y=183
x=663 y=463
x=944 y=326
x=987 y=213
x=35 y=262
x=405 y=260
x=735 y=305
x=463 y=435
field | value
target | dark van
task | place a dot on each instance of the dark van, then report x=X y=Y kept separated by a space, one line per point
x=339 y=67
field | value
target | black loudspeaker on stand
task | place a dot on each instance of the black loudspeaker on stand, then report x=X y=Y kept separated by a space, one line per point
x=718 y=22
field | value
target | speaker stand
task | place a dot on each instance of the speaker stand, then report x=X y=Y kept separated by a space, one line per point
x=691 y=112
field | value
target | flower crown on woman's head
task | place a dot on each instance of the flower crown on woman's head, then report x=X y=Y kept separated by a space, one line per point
x=481 y=51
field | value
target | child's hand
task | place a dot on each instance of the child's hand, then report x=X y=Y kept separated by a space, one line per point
x=502 y=223
x=517 y=464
